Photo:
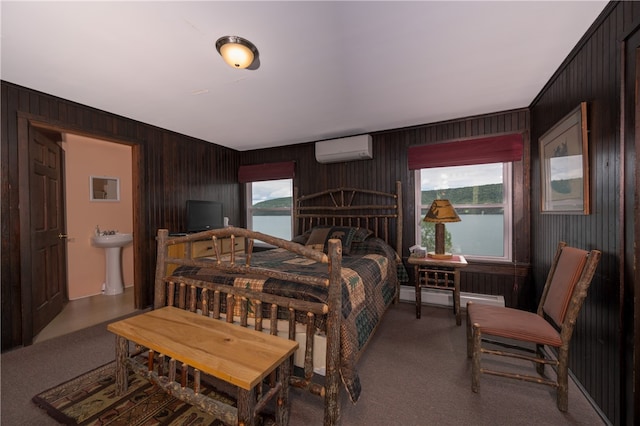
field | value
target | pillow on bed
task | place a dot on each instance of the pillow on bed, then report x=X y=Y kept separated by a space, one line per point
x=304 y=237
x=320 y=236
x=361 y=234
x=300 y=239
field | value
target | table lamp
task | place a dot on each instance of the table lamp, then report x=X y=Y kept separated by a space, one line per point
x=441 y=211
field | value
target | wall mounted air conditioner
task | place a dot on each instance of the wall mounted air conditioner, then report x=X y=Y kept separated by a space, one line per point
x=344 y=149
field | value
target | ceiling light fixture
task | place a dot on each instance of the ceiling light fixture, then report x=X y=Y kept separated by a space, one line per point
x=236 y=51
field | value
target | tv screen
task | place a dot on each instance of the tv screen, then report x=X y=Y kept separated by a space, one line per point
x=204 y=215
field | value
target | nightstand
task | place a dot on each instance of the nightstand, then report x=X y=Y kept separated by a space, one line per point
x=443 y=274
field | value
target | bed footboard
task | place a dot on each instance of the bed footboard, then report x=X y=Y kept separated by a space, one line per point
x=250 y=308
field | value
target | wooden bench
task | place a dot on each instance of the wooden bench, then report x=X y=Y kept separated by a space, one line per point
x=236 y=355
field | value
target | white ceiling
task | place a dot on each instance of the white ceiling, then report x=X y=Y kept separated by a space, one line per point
x=327 y=69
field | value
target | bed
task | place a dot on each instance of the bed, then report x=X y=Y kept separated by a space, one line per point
x=328 y=288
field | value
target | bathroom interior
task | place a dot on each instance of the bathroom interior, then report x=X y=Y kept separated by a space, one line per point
x=91 y=301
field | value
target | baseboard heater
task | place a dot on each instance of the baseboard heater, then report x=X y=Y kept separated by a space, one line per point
x=445 y=298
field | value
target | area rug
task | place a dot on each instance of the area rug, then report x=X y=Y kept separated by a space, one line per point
x=90 y=399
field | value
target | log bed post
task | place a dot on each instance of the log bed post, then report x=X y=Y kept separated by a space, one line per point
x=398 y=246
x=334 y=318
x=296 y=225
x=160 y=297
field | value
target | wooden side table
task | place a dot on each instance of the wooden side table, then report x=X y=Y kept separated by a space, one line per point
x=443 y=274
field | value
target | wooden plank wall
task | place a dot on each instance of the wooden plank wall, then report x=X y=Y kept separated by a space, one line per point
x=592 y=74
x=169 y=168
x=389 y=164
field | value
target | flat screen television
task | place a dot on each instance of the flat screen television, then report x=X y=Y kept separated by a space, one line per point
x=203 y=215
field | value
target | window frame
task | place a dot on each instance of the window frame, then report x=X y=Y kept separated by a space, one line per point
x=507 y=205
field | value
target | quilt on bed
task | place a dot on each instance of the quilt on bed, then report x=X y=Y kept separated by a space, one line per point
x=368 y=288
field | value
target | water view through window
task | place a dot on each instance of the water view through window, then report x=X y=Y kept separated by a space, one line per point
x=475 y=235
x=278 y=226
x=271 y=203
x=481 y=196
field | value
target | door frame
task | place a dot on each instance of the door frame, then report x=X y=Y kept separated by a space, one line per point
x=633 y=412
x=629 y=226
x=24 y=122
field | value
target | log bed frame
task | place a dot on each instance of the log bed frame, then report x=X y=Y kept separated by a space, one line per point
x=373 y=210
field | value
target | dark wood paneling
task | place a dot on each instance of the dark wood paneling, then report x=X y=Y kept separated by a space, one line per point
x=592 y=74
x=169 y=168
x=508 y=280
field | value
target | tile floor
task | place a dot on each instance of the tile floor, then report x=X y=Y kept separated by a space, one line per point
x=88 y=311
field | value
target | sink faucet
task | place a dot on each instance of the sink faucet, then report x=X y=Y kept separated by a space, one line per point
x=101 y=233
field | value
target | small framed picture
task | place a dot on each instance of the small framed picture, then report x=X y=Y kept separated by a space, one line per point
x=564 y=165
x=104 y=188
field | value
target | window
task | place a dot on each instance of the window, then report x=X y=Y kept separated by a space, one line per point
x=270 y=207
x=481 y=195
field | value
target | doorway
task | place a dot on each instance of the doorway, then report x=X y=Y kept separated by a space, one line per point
x=26 y=122
x=88 y=157
x=84 y=159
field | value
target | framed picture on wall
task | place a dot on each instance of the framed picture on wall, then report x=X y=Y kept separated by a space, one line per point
x=104 y=188
x=564 y=165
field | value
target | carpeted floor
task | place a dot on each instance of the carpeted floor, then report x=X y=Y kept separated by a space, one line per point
x=414 y=372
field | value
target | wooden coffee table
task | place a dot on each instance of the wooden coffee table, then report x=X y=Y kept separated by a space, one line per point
x=237 y=355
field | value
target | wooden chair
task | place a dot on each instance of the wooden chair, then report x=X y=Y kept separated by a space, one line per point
x=552 y=325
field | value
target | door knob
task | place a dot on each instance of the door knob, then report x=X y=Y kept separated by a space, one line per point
x=61 y=236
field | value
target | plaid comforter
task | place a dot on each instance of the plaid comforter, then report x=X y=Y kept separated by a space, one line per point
x=369 y=278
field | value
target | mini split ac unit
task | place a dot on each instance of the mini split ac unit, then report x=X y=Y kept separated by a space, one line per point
x=344 y=149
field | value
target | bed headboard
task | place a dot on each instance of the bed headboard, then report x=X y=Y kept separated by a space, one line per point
x=381 y=212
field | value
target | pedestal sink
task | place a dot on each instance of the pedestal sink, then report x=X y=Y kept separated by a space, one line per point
x=112 y=245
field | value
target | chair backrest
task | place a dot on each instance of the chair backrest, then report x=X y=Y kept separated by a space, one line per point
x=569 y=278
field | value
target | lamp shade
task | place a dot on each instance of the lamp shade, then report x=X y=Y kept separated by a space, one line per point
x=236 y=51
x=441 y=211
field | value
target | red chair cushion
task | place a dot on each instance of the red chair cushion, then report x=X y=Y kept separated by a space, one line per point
x=513 y=324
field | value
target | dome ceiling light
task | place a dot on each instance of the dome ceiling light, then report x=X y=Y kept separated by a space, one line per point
x=237 y=51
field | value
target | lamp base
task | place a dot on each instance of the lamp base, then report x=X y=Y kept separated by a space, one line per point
x=442 y=256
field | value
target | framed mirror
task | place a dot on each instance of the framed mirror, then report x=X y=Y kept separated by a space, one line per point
x=104 y=188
